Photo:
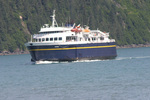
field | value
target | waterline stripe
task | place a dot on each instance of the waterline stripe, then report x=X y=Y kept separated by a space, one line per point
x=73 y=48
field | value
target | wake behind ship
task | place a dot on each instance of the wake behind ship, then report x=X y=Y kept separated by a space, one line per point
x=70 y=43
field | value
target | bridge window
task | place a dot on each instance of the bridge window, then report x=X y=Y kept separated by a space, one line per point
x=51 y=32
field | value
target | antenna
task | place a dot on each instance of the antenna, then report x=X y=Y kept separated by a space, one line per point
x=54 y=23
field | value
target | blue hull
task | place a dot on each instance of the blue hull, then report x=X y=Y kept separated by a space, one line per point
x=73 y=52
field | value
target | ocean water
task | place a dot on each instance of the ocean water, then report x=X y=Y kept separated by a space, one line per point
x=125 y=78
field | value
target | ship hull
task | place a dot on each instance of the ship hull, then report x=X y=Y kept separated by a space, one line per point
x=72 y=52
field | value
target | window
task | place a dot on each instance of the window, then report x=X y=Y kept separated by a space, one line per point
x=80 y=39
x=51 y=39
x=93 y=38
x=43 y=39
x=47 y=39
x=55 y=39
x=101 y=38
x=36 y=40
x=60 y=38
x=71 y=38
x=39 y=40
x=68 y=38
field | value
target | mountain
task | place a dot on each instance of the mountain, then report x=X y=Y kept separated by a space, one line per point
x=128 y=21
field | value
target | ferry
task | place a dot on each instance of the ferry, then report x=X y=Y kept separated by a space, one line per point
x=70 y=43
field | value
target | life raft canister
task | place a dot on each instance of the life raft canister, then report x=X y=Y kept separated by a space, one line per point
x=86 y=30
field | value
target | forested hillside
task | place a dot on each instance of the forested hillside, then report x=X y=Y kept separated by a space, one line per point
x=128 y=21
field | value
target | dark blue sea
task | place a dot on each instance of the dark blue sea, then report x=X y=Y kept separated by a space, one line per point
x=125 y=78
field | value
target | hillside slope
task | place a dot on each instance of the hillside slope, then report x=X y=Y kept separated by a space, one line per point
x=128 y=21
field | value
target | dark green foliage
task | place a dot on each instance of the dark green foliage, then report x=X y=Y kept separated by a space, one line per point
x=128 y=21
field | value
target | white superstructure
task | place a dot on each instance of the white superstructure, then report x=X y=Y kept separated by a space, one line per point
x=70 y=34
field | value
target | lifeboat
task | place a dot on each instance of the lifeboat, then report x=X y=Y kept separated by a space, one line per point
x=76 y=29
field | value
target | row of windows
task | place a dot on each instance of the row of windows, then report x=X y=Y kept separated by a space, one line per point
x=52 y=32
x=94 y=38
x=67 y=39
x=48 y=39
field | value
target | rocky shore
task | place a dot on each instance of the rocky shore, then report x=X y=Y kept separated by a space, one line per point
x=134 y=46
x=18 y=52
x=13 y=53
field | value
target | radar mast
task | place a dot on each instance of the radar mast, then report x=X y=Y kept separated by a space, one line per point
x=54 y=23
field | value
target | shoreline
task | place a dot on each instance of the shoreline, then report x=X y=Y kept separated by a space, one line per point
x=133 y=46
x=3 y=53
